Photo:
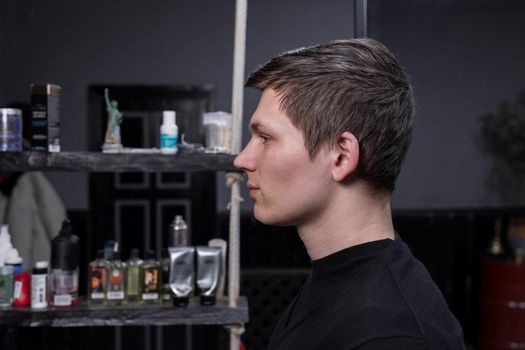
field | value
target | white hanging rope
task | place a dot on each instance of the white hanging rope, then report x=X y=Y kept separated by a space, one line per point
x=237 y=101
x=234 y=179
x=234 y=267
x=238 y=73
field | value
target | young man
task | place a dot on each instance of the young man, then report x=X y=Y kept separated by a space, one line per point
x=328 y=138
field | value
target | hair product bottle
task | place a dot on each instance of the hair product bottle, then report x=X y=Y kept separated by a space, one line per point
x=97 y=279
x=64 y=267
x=208 y=273
x=22 y=292
x=178 y=233
x=169 y=132
x=181 y=274
x=133 y=277
x=116 y=281
x=6 y=285
x=39 y=285
x=151 y=286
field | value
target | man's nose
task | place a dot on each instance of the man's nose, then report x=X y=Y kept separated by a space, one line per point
x=244 y=160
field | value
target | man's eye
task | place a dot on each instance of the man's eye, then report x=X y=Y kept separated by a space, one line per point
x=264 y=138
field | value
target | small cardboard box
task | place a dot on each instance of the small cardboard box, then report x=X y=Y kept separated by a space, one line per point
x=45 y=117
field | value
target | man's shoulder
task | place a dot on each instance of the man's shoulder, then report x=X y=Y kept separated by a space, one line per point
x=398 y=298
x=369 y=323
x=390 y=298
x=421 y=296
x=382 y=322
x=378 y=314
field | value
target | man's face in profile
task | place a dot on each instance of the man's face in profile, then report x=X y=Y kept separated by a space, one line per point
x=288 y=187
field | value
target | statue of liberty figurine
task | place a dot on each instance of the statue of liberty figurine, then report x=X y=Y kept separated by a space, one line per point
x=112 y=142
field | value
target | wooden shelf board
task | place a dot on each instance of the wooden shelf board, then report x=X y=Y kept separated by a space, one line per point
x=86 y=315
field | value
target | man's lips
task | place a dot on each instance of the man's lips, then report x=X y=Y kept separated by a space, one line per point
x=253 y=189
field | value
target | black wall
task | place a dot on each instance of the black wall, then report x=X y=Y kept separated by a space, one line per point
x=144 y=42
x=465 y=57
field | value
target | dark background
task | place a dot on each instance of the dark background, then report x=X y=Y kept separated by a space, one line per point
x=464 y=56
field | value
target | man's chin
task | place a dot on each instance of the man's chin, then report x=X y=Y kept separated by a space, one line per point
x=262 y=216
x=269 y=219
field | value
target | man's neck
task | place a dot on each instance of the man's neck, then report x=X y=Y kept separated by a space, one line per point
x=349 y=220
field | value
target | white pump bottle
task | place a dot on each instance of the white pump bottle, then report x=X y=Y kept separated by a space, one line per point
x=169 y=132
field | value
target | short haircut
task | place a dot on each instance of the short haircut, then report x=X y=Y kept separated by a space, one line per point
x=353 y=85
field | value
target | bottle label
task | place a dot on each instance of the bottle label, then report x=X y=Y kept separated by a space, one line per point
x=64 y=281
x=6 y=289
x=150 y=296
x=97 y=281
x=62 y=300
x=97 y=295
x=116 y=281
x=38 y=291
x=133 y=283
x=18 y=289
x=168 y=141
x=115 y=295
x=151 y=280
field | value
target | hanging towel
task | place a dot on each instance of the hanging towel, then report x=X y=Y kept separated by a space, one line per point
x=34 y=213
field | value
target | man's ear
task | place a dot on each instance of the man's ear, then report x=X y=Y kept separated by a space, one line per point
x=346 y=156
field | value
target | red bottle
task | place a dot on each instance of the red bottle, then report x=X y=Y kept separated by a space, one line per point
x=22 y=293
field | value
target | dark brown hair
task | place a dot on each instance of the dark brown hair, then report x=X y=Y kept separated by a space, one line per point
x=352 y=85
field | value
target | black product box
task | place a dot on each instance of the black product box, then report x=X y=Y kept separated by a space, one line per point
x=45 y=118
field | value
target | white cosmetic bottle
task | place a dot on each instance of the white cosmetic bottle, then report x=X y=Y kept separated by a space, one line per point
x=169 y=132
x=39 y=286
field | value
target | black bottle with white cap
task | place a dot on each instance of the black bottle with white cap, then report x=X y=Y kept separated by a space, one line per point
x=64 y=267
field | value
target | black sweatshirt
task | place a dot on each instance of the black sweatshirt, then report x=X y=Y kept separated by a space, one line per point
x=375 y=295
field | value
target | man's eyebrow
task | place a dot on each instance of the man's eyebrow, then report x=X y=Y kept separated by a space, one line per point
x=258 y=127
x=255 y=126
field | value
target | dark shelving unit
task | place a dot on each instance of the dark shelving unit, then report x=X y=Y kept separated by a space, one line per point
x=118 y=162
x=86 y=315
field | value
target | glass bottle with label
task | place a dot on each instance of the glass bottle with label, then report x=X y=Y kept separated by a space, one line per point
x=151 y=281
x=133 y=278
x=116 y=281
x=64 y=267
x=98 y=272
x=6 y=285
